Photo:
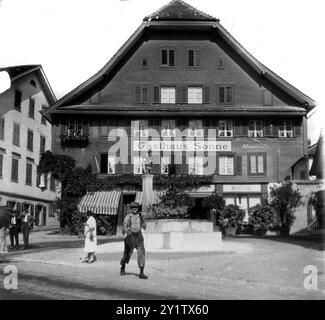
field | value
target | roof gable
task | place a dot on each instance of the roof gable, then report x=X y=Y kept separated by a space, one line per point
x=179 y=10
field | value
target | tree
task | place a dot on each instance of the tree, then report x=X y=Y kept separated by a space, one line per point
x=285 y=199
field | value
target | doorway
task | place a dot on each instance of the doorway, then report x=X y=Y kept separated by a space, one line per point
x=197 y=211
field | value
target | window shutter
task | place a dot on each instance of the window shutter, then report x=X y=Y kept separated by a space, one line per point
x=244 y=128
x=137 y=94
x=297 y=128
x=268 y=128
x=198 y=57
x=156 y=94
x=206 y=94
x=145 y=94
x=238 y=165
x=183 y=94
x=238 y=128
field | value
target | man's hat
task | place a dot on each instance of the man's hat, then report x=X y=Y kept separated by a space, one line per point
x=134 y=204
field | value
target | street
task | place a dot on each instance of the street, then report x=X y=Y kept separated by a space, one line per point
x=248 y=268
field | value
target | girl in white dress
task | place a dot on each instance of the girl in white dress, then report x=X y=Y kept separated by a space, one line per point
x=90 y=238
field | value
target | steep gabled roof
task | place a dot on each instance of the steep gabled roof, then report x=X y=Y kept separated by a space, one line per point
x=17 y=72
x=178 y=10
x=213 y=26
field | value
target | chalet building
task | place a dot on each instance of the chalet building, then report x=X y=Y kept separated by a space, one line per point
x=184 y=88
x=24 y=135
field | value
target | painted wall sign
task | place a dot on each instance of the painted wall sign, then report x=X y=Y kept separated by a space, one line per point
x=213 y=146
x=255 y=146
x=242 y=188
x=206 y=189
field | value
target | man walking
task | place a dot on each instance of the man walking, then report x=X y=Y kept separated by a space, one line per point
x=14 y=231
x=132 y=225
x=26 y=226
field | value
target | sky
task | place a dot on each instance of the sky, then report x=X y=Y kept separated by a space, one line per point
x=73 y=39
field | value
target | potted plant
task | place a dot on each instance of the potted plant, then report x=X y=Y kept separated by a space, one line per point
x=230 y=218
x=261 y=218
x=284 y=200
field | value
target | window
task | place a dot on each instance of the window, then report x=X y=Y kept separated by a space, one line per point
x=168 y=128
x=33 y=83
x=225 y=94
x=14 y=169
x=226 y=128
x=168 y=57
x=220 y=63
x=257 y=164
x=31 y=110
x=111 y=164
x=30 y=136
x=226 y=165
x=52 y=184
x=195 y=128
x=195 y=165
x=29 y=171
x=168 y=95
x=194 y=58
x=138 y=164
x=43 y=120
x=140 y=128
x=16 y=135
x=285 y=129
x=164 y=167
x=194 y=95
x=2 y=128
x=255 y=128
x=144 y=63
x=42 y=144
x=267 y=98
x=18 y=98
x=75 y=128
x=1 y=165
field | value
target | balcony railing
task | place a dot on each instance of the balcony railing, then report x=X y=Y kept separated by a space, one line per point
x=74 y=140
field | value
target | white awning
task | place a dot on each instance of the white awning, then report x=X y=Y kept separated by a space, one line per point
x=101 y=202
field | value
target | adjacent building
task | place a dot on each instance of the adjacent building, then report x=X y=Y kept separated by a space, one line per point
x=183 y=87
x=24 y=135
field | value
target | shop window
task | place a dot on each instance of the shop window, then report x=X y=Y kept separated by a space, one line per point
x=226 y=128
x=255 y=128
x=140 y=128
x=168 y=128
x=226 y=165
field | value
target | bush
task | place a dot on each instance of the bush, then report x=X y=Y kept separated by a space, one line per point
x=176 y=199
x=162 y=211
x=214 y=202
x=284 y=200
x=261 y=218
x=231 y=216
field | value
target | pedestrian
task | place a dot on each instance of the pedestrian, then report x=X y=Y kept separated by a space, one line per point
x=14 y=231
x=90 y=238
x=132 y=225
x=3 y=243
x=26 y=226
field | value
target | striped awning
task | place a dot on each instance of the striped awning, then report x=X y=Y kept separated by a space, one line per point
x=156 y=196
x=101 y=202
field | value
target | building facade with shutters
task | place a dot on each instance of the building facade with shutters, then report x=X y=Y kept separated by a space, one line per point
x=184 y=88
x=24 y=135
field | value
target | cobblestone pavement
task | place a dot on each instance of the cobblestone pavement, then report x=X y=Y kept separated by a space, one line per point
x=246 y=268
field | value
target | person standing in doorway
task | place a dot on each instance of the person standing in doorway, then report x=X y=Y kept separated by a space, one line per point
x=14 y=231
x=26 y=226
x=132 y=225
x=90 y=238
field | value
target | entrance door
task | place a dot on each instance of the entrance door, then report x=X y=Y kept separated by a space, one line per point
x=242 y=203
